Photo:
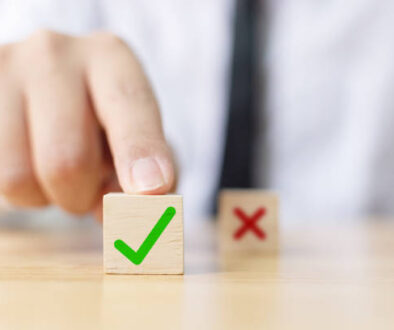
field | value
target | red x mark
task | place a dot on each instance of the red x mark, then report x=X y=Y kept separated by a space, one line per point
x=249 y=223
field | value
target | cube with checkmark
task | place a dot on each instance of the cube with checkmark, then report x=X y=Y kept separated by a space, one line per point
x=143 y=234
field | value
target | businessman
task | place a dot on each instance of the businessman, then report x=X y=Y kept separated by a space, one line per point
x=100 y=96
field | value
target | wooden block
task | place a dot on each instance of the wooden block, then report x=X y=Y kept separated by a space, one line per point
x=131 y=218
x=248 y=221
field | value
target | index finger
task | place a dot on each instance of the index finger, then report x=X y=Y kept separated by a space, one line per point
x=128 y=111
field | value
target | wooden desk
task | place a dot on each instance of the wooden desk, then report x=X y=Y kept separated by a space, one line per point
x=325 y=277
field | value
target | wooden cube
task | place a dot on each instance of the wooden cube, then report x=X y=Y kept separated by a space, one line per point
x=143 y=234
x=248 y=221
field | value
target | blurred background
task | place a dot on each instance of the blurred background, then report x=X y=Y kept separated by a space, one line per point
x=291 y=96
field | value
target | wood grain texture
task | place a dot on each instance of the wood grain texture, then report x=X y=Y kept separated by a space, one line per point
x=326 y=276
x=249 y=202
x=131 y=218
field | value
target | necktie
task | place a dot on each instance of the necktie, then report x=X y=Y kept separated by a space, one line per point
x=238 y=154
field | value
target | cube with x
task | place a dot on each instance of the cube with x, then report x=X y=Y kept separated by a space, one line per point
x=249 y=223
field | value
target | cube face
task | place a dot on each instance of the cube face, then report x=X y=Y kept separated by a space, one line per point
x=131 y=218
x=248 y=221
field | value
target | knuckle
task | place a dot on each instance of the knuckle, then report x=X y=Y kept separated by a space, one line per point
x=124 y=91
x=140 y=91
x=46 y=46
x=108 y=40
x=46 y=39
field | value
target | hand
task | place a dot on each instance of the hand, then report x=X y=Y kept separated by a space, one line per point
x=77 y=116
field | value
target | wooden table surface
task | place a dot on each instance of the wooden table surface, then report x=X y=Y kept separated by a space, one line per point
x=338 y=276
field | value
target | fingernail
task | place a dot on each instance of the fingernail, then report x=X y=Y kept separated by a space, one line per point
x=146 y=175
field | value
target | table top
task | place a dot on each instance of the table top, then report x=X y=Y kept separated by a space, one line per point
x=334 y=276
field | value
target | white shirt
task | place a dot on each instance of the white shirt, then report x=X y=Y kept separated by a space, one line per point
x=329 y=101
x=331 y=107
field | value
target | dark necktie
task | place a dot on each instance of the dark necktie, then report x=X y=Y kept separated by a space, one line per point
x=238 y=155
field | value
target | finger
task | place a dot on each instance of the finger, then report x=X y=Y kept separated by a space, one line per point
x=128 y=111
x=64 y=133
x=17 y=180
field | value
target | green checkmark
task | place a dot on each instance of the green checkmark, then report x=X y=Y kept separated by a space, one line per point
x=150 y=240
